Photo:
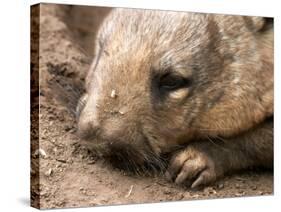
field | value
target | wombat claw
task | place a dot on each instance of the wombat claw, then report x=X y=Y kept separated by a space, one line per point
x=192 y=166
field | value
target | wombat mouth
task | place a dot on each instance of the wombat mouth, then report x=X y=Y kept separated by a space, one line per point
x=128 y=158
x=137 y=162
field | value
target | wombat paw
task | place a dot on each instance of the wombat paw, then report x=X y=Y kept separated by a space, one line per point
x=192 y=167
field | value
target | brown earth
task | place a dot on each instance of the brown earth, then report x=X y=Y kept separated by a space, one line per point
x=64 y=173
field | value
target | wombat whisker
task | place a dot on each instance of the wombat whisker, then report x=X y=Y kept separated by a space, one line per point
x=82 y=102
x=220 y=138
x=153 y=168
x=217 y=145
x=75 y=90
x=72 y=111
x=210 y=129
x=134 y=166
x=156 y=161
x=94 y=66
x=161 y=162
x=130 y=165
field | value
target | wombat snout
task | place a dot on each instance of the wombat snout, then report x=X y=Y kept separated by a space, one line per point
x=96 y=125
x=125 y=146
x=87 y=129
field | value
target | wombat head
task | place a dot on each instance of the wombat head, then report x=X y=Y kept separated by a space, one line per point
x=163 y=78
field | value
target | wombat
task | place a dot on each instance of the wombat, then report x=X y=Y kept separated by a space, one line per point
x=195 y=86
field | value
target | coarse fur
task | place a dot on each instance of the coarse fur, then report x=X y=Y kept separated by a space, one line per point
x=198 y=86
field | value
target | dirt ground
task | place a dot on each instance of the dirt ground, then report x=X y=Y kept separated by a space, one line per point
x=64 y=173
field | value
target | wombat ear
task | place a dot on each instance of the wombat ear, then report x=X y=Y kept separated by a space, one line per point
x=258 y=24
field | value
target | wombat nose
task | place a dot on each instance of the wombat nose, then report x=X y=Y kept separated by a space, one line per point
x=88 y=129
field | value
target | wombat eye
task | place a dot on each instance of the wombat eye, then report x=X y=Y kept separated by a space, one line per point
x=170 y=82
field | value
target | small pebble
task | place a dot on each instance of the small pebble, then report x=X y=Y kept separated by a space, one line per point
x=181 y=196
x=32 y=172
x=209 y=190
x=40 y=152
x=261 y=193
x=167 y=192
x=49 y=172
x=237 y=185
x=195 y=195
x=220 y=186
x=73 y=130
x=69 y=161
x=113 y=94
x=61 y=117
x=91 y=162
x=130 y=191
x=254 y=188
x=58 y=165
x=68 y=128
x=61 y=160
x=121 y=112
x=239 y=194
x=104 y=201
x=240 y=179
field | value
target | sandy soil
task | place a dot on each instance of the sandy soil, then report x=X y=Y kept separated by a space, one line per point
x=64 y=173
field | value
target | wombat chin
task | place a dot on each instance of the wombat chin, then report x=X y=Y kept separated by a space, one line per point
x=127 y=158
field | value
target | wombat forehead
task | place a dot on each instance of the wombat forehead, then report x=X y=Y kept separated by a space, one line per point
x=129 y=29
x=137 y=41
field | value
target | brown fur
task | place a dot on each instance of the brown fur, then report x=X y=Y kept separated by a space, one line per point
x=228 y=62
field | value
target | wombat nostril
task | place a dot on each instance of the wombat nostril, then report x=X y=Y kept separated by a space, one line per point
x=88 y=130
